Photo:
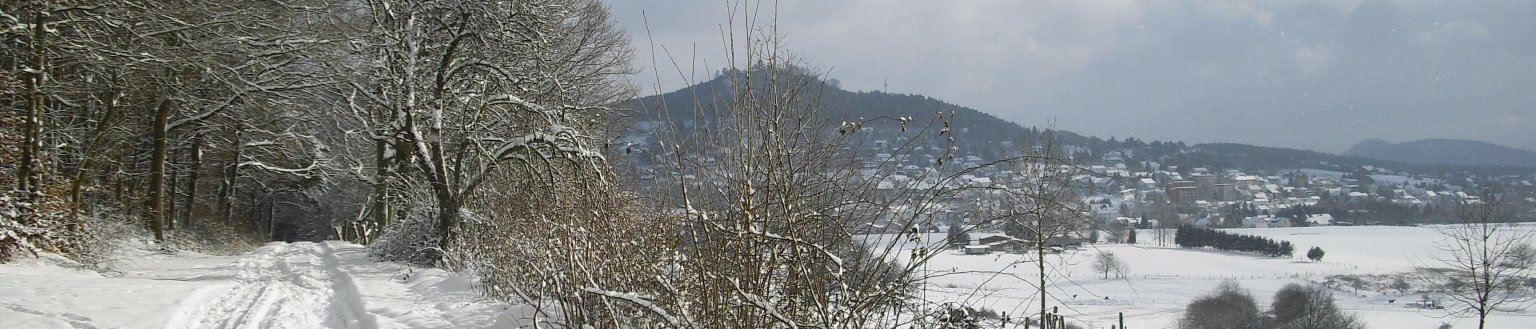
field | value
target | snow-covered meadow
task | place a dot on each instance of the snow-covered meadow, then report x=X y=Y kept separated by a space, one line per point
x=1163 y=279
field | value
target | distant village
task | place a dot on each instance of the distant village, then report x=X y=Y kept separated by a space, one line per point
x=1123 y=195
x=1123 y=191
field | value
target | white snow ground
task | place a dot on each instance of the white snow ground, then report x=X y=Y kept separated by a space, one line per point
x=1163 y=280
x=336 y=285
x=279 y=285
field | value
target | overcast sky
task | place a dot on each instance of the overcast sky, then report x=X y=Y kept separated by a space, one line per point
x=1318 y=75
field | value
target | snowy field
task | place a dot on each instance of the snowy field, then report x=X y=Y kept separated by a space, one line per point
x=335 y=285
x=1163 y=279
x=279 y=285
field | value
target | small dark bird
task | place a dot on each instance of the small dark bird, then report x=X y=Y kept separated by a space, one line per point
x=1074 y=296
x=1106 y=297
x=1389 y=301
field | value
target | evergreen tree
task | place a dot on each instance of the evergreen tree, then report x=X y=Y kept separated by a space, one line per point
x=958 y=235
x=1315 y=254
x=1197 y=237
x=1130 y=237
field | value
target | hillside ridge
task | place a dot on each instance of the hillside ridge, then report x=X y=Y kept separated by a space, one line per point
x=980 y=133
x=1444 y=151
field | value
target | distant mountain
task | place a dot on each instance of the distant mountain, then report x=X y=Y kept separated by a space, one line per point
x=1459 y=152
x=978 y=133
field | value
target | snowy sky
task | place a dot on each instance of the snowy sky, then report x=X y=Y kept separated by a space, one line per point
x=1319 y=75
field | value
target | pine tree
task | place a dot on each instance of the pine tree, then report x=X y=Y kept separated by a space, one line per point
x=958 y=235
x=1315 y=254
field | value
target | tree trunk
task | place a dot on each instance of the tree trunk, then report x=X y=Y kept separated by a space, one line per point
x=381 y=211
x=26 y=174
x=271 y=217
x=197 y=165
x=227 y=187
x=155 y=203
x=1040 y=262
x=88 y=163
x=175 y=185
x=447 y=215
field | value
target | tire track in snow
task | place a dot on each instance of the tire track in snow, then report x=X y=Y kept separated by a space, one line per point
x=74 y=320
x=279 y=285
x=346 y=301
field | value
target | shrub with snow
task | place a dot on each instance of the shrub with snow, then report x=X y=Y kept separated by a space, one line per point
x=412 y=239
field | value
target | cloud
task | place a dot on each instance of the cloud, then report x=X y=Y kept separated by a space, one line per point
x=1312 y=61
x=1453 y=33
x=1238 y=10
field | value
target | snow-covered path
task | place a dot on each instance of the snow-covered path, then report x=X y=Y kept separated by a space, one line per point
x=278 y=285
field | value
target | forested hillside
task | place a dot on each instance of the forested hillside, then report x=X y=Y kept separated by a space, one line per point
x=979 y=133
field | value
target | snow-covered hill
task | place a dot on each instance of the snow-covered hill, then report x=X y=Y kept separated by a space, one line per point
x=279 y=285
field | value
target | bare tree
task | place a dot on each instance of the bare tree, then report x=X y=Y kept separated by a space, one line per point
x=1486 y=261
x=773 y=206
x=1107 y=263
x=1047 y=202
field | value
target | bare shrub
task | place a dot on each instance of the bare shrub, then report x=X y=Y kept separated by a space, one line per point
x=1297 y=306
x=1229 y=307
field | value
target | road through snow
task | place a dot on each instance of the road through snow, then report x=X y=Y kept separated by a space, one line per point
x=279 y=285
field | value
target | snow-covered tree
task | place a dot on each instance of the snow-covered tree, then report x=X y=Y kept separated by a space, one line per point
x=457 y=93
x=125 y=94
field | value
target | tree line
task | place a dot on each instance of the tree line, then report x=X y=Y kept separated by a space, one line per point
x=1190 y=236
